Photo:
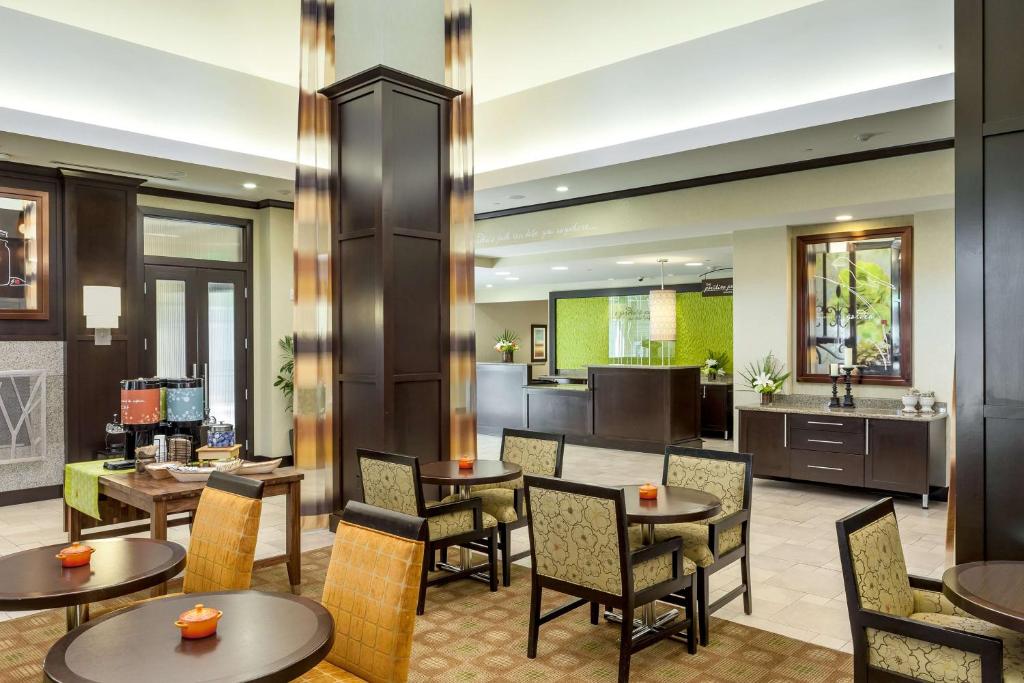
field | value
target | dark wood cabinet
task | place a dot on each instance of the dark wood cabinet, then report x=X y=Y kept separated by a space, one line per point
x=716 y=409
x=876 y=453
x=764 y=435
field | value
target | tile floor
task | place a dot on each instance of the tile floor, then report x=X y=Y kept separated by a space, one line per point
x=796 y=576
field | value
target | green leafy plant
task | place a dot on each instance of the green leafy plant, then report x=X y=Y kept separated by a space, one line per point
x=285 y=380
x=714 y=363
x=765 y=376
x=506 y=341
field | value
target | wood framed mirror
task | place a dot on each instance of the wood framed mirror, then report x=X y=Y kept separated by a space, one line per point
x=24 y=254
x=855 y=290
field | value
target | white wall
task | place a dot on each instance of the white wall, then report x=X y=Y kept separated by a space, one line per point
x=517 y=316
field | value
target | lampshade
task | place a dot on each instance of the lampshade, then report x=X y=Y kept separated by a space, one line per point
x=101 y=306
x=663 y=314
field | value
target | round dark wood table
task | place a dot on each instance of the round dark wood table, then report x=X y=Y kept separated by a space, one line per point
x=993 y=591
x=34 y=579
x=261 y=637
x=674 y=504
x=448 y=473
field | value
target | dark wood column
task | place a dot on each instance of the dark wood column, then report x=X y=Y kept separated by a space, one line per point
x=989 y=284
x=100 y=248
x=390 y=143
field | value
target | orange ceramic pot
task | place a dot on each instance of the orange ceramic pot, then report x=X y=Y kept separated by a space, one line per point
x=649 y=492
x=198 y=622
x=75 y=555
x=466 y=463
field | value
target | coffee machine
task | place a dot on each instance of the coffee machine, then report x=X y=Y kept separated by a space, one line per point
x=141 y=412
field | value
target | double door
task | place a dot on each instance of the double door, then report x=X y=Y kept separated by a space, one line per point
x=196 y=325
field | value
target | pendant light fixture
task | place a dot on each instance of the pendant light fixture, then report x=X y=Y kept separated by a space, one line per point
x=662 y=303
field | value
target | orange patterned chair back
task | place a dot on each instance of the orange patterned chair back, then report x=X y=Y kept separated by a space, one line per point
x=223 y=542
x=372 y=589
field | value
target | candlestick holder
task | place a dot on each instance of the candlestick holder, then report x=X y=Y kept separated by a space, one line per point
x=834 y=401
x=848 y=397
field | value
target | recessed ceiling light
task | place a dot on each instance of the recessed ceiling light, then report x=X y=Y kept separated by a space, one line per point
x=488 y=286
x=512 y=279
x=559 y=267
x=502 y=272
x=249 y=186
x=844 y=217
x=562 y=188
x=624 y=263
x=695 y=263
x=611 y=279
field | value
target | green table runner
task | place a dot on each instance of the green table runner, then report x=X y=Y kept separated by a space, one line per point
x=82 y=485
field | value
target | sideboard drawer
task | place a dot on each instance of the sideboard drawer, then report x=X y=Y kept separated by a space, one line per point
x=836 y=442
x=827 y=423
x=828 y=468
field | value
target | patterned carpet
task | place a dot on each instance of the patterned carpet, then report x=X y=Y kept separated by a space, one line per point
x=470 y=635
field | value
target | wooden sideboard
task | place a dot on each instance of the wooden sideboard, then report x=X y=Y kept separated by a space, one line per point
x=888 y=454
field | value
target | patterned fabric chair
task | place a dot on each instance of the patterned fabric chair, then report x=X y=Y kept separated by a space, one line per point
x=537 y=453
x=903 y=627
x=372 y=589
x=579 y=545
x=715 y=543
x=392 y=482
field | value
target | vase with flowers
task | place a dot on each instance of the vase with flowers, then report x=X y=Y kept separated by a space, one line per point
x=766 y=377
x=506 y=343
x=714 y=364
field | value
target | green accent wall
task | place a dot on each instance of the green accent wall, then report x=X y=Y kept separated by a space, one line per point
x=702 y=323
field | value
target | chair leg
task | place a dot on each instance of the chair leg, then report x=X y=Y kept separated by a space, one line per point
x=506 y=554
x=534 y=635
x=492 y=557
x=625 y=642
x=595 y=610
x=748 y=602
x=691 y=613
x=703 y=600
x=428 y=560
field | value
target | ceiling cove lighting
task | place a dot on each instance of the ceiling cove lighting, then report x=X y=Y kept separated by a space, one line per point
x=624 y=263
x=512 y=279
x=844 y=217
x=559 y=267
x=488 y=286
x=562 y=188
x=694 y=264
x=502 y=272
x=249 y=186
x=663 y=310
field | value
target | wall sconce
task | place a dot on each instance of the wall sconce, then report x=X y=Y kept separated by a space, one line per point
x=102 y=308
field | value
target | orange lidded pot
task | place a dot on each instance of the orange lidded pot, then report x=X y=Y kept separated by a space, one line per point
x=75 y=555
x=466 y=463
x=198 y=622
x=648 y=491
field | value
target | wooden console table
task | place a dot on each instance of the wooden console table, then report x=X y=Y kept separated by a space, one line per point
x=160 y=498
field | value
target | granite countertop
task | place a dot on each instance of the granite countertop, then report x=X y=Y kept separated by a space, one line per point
x=727 y=380
x=645 y=367
x=558 y=387
x=878 y=408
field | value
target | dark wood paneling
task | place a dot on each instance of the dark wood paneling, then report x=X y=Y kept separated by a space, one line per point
x=646 y=407
x=101 y=247
x=21 y=496
x=500 y=398
x=216 y=199
x=764 y=436
x=559 y=412
x=894 y=459
x=989 y=213
x=390 y=138
x=52 y=328
x=837 y=442
x=716 y=408
x=827 y=423
x=827 y=468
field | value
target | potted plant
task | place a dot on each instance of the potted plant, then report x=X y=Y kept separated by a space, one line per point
x=285 y=380
x=766 y=377
x=506 y=343
x=714 y=364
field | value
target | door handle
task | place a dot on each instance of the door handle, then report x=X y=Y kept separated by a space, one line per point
x=830 y=424
x=822 y=467
x=824 y=441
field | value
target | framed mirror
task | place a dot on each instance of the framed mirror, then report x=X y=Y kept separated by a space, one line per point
x=24 y=254
x=854 y=291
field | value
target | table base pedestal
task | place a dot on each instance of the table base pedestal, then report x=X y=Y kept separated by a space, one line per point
x=77 y=615
x=642 y=627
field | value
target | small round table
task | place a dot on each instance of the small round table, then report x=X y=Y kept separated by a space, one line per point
x=34 y=579
x=674 y=504
x=261 y=637
x=448 y=473
x=993 y=591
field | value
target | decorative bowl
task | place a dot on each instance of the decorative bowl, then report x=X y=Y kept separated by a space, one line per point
x=259 y=467
x=159 y=470
x=190 y=473
x=198 y=622
x=648 y=492
x=75 y=555
x=227 y=466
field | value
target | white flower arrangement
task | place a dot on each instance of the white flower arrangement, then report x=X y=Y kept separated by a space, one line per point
x=765 y=376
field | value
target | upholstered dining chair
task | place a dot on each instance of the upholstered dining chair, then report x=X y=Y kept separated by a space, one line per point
x=372 y=590
x=537 y=453
x=903 y=627
x=580 y=546
x=714 y=543
x=392 y=481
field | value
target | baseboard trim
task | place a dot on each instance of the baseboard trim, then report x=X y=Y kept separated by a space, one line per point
x=31 y=495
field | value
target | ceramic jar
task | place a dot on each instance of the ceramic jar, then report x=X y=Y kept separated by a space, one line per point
x=198 y=622
x=75 y=555
x=220 y=435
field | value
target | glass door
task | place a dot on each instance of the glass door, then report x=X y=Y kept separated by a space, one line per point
x=195 y=325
